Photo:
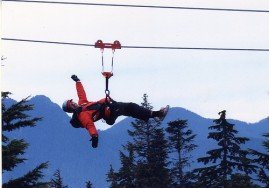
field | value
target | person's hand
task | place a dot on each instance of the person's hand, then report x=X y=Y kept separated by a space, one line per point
x=75 y=78
x=94 y=140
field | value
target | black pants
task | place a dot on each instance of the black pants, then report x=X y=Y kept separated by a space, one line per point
x=127 y=109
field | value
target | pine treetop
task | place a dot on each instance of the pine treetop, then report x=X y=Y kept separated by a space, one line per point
x=16 y=117
x=228 y=158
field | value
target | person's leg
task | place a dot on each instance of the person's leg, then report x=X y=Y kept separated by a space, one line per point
x=133 y=110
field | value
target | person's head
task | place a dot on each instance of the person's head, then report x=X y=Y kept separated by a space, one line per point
x=69 y=106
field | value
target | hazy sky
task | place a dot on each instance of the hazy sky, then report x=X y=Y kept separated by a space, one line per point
x=204 y=82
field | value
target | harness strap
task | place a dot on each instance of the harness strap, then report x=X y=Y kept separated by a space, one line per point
x=98 y=107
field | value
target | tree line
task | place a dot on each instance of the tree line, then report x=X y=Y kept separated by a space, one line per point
x=155 y=158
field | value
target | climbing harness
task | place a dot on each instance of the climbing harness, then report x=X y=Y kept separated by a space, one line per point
x=107 y=74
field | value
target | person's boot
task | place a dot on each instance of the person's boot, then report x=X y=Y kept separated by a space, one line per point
x=163 y=112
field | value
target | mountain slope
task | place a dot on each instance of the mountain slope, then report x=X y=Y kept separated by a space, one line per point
x=69 y=149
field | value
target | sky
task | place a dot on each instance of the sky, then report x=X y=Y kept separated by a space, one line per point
x=204 y=82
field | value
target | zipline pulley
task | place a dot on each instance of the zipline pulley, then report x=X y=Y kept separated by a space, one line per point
x=107 y=74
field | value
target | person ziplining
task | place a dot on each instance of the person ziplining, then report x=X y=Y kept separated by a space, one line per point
x=86 y=112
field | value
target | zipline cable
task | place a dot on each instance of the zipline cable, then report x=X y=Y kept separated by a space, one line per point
x=144 y=47
x=142 y=6
x=49 y=42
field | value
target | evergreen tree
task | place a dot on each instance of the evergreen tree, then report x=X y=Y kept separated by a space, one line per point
x=146 y=162
x=16 y=117
x=262 y=159
x=181 y=142
x=126 y=174
x=112 y=178
x=31 y=179
x=89 y=184
x=223 y=161
x=151 y=152
x=241 y=181
x=57 y=181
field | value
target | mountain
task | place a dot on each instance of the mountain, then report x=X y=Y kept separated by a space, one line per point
x=69 y=149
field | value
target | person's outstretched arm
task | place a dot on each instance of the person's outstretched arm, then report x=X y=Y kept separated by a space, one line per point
x=80 y=90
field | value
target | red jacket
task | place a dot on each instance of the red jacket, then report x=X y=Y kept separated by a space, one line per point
x=86 y=116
